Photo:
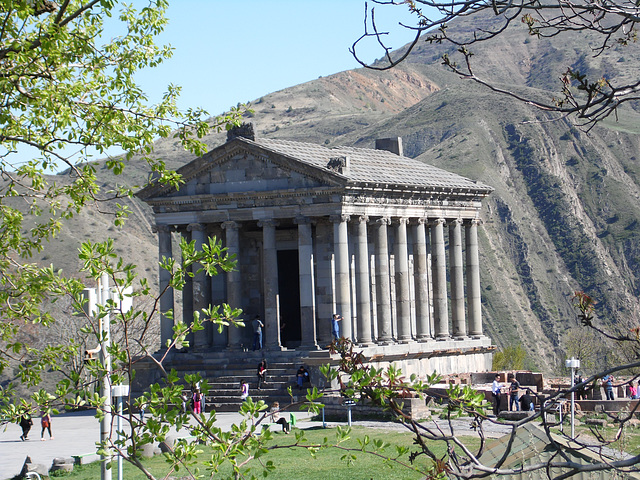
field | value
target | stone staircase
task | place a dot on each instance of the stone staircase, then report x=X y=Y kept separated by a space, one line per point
x=224 y=371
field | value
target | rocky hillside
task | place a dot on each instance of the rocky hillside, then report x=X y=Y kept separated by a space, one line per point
x=564 y=215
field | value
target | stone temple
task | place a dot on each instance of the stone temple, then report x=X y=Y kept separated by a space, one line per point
x=388 y=242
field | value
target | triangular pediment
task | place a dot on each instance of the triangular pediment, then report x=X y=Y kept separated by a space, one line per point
x=244 y=167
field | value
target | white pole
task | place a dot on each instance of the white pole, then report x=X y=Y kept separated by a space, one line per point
x=120 y=399
x=573 y=402
x=105 y=387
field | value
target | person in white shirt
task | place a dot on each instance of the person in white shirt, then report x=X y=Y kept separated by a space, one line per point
x=496 y=389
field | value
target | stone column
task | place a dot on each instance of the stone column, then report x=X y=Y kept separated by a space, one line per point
x=187 y=294
x=201 y=338
x=403 y=294
x=307 y=287
x=474 y=300
x=421 y=281
x=440 y=307
x=234 y=285
x=363 y=289
x=343 y=273
x=166 y=300
x=270 y=285
x=457 y=279
x=383 y=284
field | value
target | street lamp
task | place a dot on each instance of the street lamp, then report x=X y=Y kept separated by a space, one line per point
x=101 y=297
x=573 y=364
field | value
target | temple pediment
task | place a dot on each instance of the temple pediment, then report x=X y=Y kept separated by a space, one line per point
x=243 y=167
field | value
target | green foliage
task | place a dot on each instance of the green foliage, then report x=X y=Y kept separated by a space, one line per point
x=512 y=357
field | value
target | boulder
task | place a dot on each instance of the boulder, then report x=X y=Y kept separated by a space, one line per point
x=38 y=468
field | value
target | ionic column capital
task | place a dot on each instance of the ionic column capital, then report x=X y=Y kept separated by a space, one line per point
x=230 y=225
x=339 y=218
x=422 y=221
x=454 y=221
x=401 y=220
x=195 y=227
x=475 y=222
x=268 y=222
x=302 y=220
x=363 y=219
x=162 y=228
x=383 y=221
x=436 y=221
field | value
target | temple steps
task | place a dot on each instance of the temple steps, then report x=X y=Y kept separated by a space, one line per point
x=223 y=372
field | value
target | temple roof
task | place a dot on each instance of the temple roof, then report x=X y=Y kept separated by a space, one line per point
x=372 y=166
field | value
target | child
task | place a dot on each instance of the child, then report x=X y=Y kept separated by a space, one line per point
x=244 y=386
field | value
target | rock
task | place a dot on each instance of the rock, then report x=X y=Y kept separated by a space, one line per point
x=147 y=450
x=601 y=422
x=64 y=467
x=168 y=443
x=514 y=416
x=63 y=460
x=38 y=468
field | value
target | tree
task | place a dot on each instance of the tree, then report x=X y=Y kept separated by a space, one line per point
x=68 y=93
x=613 y=23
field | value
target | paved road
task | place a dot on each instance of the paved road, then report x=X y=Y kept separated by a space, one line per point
x=76 y=434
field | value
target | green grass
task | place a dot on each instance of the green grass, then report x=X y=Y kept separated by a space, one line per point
x=296 y=462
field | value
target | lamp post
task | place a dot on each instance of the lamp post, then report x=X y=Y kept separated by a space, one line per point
x=105 y=384
x=107 y=391
x=573 y=364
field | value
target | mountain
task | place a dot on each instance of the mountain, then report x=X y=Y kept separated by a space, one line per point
x=564 y=214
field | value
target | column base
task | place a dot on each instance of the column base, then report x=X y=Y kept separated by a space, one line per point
x=309 y=347
x=424 y=338
x=441 y=338
x=404 y=341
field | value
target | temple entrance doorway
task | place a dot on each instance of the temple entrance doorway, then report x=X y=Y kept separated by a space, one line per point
x=289 y=295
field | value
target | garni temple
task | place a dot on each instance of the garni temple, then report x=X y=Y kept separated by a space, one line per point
x=388 y=242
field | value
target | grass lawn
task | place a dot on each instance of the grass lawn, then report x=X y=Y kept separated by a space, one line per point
x=296 y=463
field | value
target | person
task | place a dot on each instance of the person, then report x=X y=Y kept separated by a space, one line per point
x=276 y=418
x=257 y=333
x=196 y=401
x=25 y=423
x=581 y=393
x=496 y=388
x=262 y=373
x=185 y=401
x=526 y=401
x=45 y=422
x=244 y=390
x=203 y=403
x=302 y=376
x=514 y=388
x=335 y=326
x=633 y=390
x=608 y=386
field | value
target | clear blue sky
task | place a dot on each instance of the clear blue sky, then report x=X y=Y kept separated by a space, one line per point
x=236 y=51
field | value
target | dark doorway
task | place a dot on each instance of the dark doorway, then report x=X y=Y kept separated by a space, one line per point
x=289 y=292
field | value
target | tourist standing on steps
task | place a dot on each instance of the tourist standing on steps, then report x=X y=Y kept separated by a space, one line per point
x=262 y=373
x=608 y=386
x=514 y=388
x=244 y=390
x=335 y=326
x=45 y=422
x=25 y=423
x=276 y=418
x=257 y=333
x=196 y=401
x=496 y=389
